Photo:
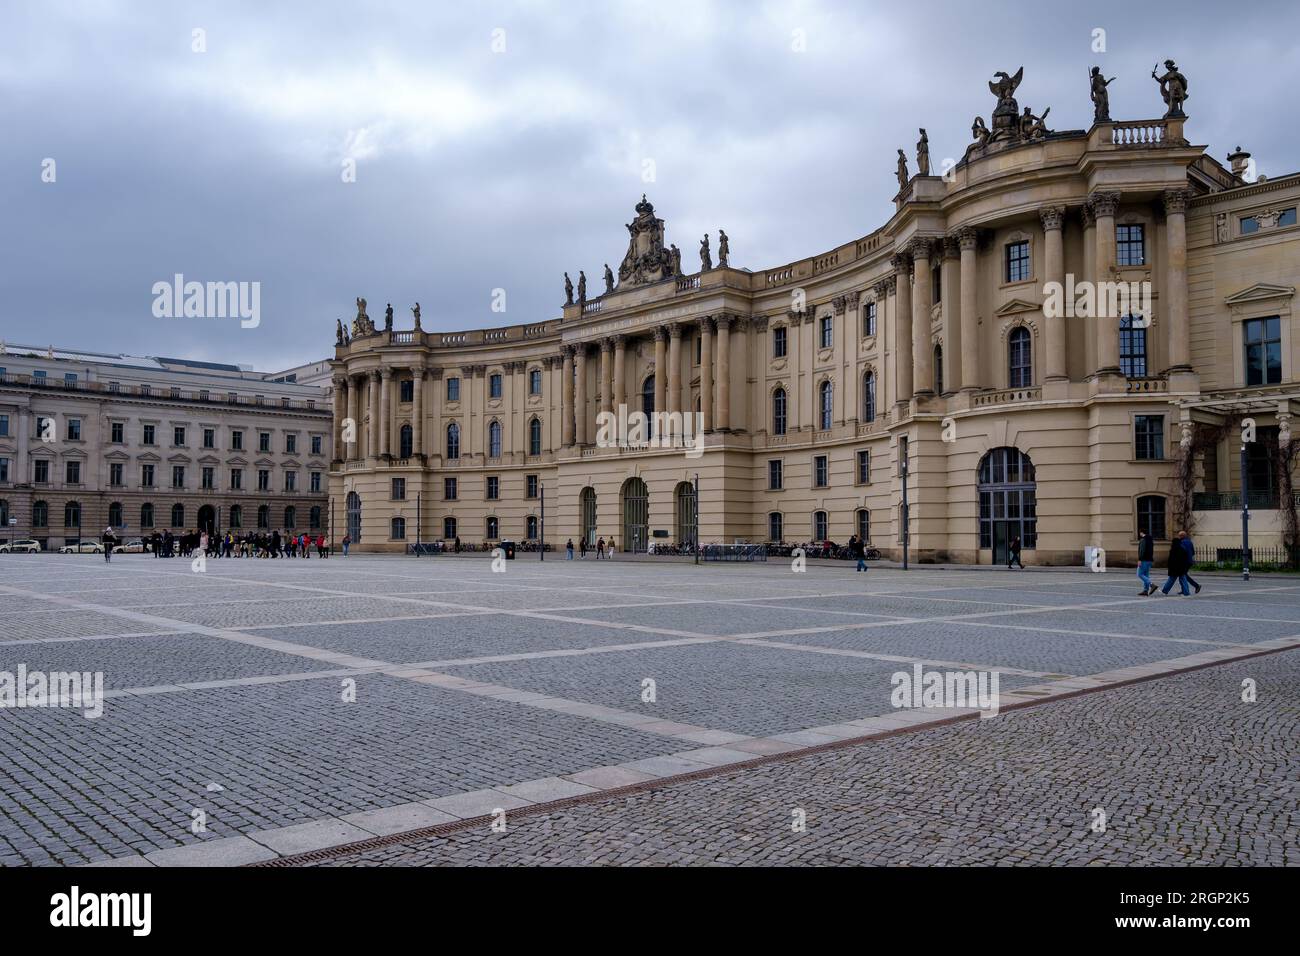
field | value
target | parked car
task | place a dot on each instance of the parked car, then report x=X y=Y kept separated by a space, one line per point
x=25 y=546
x=86 y=547
x=134 y=546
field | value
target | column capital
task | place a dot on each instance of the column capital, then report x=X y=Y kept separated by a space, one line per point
x=839 y=304
x=1087 y=216
x=921 y=248
x=1175 y=201
x=620 y=341
x=375 y=375
x=902 y=262
x=340 y=380
x=760 y=323
x=675 y=330
x=885 y=287
x=1053 y=217
x=1104 y=203
x=566 y=352
x=968 y=238
x=951 y=247
x=606 y=344
x=723 y=320
x=661 y=333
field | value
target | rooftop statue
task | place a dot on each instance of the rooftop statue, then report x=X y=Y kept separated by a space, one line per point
x=979 y=132
x=923 y=154
x=1005 y=121
x=706 y=259
x=1173 y=88
x=609 y=279
x=724 y=249
x=582 y=287
x=647 y=259
x=415 y=311
x=338 y=331
x=900 y=170
x=388 y=318
x=1100 y=95
x=568 y=290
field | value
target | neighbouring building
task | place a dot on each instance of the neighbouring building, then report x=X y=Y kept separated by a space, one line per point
x=1055 y=340
x=147 y=444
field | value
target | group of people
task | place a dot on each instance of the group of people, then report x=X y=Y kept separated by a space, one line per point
x=603 y=551
x=1182 y=555
x=258 y=544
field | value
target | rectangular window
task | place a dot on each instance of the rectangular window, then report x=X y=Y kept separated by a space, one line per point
x=1149 y=437
x=115 y=474
x=315 y=481
x=449 y=490
x=494 y=386
x=827 y=331
x=535 y=382
x=236 y=479
x=290 y=444
x=208 y=478
x=1287 y=217
x=4 y=470
x=493 y=488
x=775 y=475
x=70 y=378
x=72 y=472
x=407 y=390
x=178 y=476
x=263 y=479
x=209 y=438
x=1130 y=245
x=864 y=467
x=263 y=441
x=117 y=431
x=399 y=489
x=148 y=436
x=453 y=390
x=1263 y=341
x=821 y=471
x=4 y=426
x=41 y=471
x=1132 y=347
x=290 y=481
x=178 y=436
x=236 y=441
x=1017 y=254
x=778 y=342
x=869 y=319
x=45 y=428
x=74 y=429
x=531 y=486
x=316 y=444
x=146 y=476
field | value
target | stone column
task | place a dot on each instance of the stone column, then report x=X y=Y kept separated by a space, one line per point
x=1089 y=222
x=706 y=372
x=967 y=241
x=903 y=325
x=340 y=413
x=1053 y=218
x=606 y=375
x=417 y=413
x=354 y=413
x=954 y=343
x=385 y=412
x=661 y=370
x=724 y=373
x=566 y=397
x=580 y=395
x=1176 y=318
x=620 y=371
x=372 y=430
x=922 y=301
x=675 y=368
x=1106 y=328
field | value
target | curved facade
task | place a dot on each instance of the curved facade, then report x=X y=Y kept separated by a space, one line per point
x=938 y=337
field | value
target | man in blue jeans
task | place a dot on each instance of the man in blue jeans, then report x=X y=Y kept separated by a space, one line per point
x=857 y=548
x=1186 y=542
x=1146 y=557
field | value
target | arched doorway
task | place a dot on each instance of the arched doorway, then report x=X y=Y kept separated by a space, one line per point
x=635 y=499
x=684 y=512
x=354 y=516
x=587 y=500
x=1008 y=502
x=208 y=519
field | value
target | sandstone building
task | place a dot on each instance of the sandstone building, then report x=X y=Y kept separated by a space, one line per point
x=931 y=341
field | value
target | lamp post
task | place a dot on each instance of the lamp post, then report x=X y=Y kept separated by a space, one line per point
x=696 y=543
x=417 y=522
x=541 y=533
x=905 y=516
x=1245 y=515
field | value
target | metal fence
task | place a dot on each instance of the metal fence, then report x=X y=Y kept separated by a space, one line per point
x=1231 y=500
x=734 y=552
x=1269 y=556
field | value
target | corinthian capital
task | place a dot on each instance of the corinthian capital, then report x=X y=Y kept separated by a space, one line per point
x=1104 y=203
x=1053 y=216
x=921 y=248
x=1175 y=201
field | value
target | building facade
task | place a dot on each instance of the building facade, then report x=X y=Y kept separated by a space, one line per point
x=1052 y=341
x=149 y=444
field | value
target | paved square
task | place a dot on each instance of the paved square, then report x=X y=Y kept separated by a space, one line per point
x=265 y=708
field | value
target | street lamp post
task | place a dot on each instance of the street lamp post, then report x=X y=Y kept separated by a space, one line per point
x=695 y=545
x=906 y=522
x=541 y=531
x=1245 y=515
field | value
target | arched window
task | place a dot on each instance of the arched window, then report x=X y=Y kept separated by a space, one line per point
x=648 y=404
x=530 y=528
x=264 y=516
x=448 y=528
x=146 y=516
x=587 y=508
x=72 y=514
x=775 y=527
x=826 y=405
x=1020 y=371
x=635 y=499
x=115 y=519
x=354 y=516
x=938 y=370
x=40 y=514
x=453 y=441
x=1133 y=347
x=863 y=524
x=236 y=516
x=869 y=397
x=398 y=530
x=178 y=516
x=314 y=517
x=1007 y=491
x=535 y=436
x=778 y=412
x=492 y=527
x=684 y=501
x=404 y=441
x=494 y=440
x=820 y=526
x=290 y=517
x=1151 y=515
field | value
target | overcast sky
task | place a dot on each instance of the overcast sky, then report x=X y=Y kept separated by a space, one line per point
x=479 y=170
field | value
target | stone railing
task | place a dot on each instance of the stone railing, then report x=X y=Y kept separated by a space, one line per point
x=496 y=335
x=780 y=276
x=688 y=283
x=1007 y=396
x=592 y=307
x=1140 y=133
x=826 y=263
x=1152 y=384
x=401 y=338
x=533 y=331
x=457 y=338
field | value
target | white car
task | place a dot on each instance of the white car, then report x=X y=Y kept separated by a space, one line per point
x=134 y=546
x=86 y=547
x=25 y=546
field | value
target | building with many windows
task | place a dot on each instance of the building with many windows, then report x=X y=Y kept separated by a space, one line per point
x=1054 y=341
x=147 y=444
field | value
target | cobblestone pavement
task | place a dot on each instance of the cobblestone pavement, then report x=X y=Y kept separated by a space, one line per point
x=264 y=708
x=1184 y=771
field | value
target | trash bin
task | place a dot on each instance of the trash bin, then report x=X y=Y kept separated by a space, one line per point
x=509 y=548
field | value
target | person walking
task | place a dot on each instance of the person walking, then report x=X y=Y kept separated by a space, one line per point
x=109 y=540
x=609 y=551
x=858 y=549
x=1177 y=567
x=600 y=549
x=1146 y=557
x=1190 y=548
x=568 y=550
x=347 y=540
x=582 y=548
x=1013 y=554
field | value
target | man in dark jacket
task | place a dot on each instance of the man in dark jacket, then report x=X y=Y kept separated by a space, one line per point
x=1146 y=557
x=857 y=550
x=1177 y=565
x=1186 y=540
